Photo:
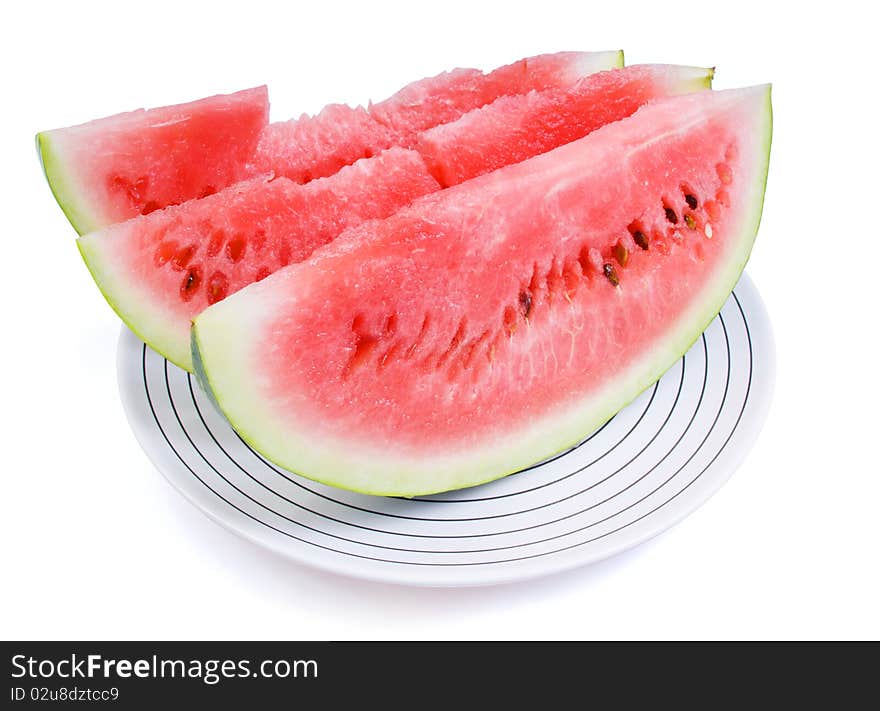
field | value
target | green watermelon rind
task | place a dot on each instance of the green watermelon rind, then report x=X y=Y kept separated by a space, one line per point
x=339 y=467
x=146 y=322
x=63 y=187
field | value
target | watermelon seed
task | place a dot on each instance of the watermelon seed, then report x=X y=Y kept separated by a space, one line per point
x=390 y=325
x=571 y=277
x=510 y=320
x=611 y=273
x=457 y=339
x=554 y=280
x=731 y=152
x=218 y=287
x=621 y=254
x=422 y=331
x=712 y=210
x=670 y=215
x=364 y=346
x=689 y=221
x=235 y=248
x=641 y=239
x=215 y=243
x=182 y=257
x=164 y=252
x=525 y=303
x=584 y=260
x=691 y=201
x=190 y=283
x=708 y=230
x=389 y=354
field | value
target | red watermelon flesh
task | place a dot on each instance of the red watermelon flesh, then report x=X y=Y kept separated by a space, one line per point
x=494 y=323
x=164 y=327
x=514 y=128
x=317 y=146
x=115 y=168
x=160 y=270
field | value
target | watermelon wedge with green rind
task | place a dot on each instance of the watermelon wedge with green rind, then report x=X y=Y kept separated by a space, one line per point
x=115 y=168
x=497 y=322
x=160 y=270
x=517 y=127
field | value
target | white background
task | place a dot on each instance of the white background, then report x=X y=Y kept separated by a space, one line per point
x=95 y=543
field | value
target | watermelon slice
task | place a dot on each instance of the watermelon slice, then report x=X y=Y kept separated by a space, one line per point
x=514 y=128
x=115 y=168
x=437 y=100
x=170 y=288
x=497 y=322
x=317 y=146
x=160 y=270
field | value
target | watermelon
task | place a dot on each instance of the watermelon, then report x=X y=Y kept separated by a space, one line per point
x=159 y=270
x=173 y=254
x=492 y=324
x=115 y=168
x=109 y=170
x=445 y=97
x=317 y=146
x=517 y=127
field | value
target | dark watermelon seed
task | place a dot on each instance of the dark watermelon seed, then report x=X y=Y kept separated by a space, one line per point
x=190 y=283
x=641 y=239
x=689 y=221
x=525 y=303
x=621 y=254
x=670 y=215
x=611 y=273
x=691 y=201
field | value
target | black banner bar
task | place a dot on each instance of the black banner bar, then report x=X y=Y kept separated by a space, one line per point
x=254 y=674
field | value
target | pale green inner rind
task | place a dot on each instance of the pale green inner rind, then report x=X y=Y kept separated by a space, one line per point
x=135 y=306
x=63 y=187
x=224 y=356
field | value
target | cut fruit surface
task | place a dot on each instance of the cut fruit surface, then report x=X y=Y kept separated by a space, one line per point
x=160 y=270
x=495 y=323
x=317 y=146
x=514 y=128
x=443 y=98
x=115 y=168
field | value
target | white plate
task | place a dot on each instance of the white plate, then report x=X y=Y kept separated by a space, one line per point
x=646 y=469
